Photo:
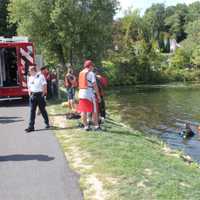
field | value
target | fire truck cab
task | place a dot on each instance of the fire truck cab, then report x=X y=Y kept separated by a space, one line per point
x=16 y=54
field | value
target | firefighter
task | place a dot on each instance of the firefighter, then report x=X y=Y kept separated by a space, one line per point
x=37 y=89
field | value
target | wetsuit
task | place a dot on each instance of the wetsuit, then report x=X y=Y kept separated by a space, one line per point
x=187 y=133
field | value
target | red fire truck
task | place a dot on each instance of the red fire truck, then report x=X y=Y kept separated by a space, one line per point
x=16 y=54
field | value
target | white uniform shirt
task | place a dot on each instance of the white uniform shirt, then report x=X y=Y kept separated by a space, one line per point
x=89 y=92
x=36 y=83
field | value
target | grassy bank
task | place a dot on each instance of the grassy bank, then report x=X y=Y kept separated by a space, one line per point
x=122 y=164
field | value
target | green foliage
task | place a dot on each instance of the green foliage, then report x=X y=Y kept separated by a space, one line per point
x=176 y=22
x=66 y=30
x=120 y=69
x=196 y=57
x=137 y=59
x=175 y=75
x=132 y=47
x=34 y=20
x=194 y=11
x=193 y=30
x=192 y=44
x=85 y=26
x=180 y=59
x=142 y=40
x=155 y=16
x=5 y=27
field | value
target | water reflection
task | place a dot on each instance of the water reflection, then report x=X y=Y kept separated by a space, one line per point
x=162 y=111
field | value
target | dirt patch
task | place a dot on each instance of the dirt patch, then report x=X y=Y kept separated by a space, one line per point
x=77 y=156
x=141 y=184
x=59 y=121
x=96 y=189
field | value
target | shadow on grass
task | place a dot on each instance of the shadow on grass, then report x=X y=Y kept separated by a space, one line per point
x=152 y=141
x=127 y=133
x=108 y=121
x=24 y=157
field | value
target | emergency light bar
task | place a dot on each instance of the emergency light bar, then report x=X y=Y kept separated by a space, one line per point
x=14 y=39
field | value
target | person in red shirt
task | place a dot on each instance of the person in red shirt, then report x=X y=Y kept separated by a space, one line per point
x=70 y=84
x=102 y=82
x=54 y=83
x=44 y=70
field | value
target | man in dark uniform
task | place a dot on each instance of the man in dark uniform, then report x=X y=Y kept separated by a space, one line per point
x=37 y=88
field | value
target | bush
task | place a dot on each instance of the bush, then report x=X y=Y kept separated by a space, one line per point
x=180 y=59
x=182 y=75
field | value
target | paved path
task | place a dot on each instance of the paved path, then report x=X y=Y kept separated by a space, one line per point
x=32 y=166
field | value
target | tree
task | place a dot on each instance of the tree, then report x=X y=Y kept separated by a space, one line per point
x=34 y=20
x=177 y=21
x=87 y=25
x=135 y=59
x=180 y=59
x=155 y=16
x=196 y=56
x=5 y=27
x=193 y=11
x=192 y=44
x=193 y=37
x=68 y=30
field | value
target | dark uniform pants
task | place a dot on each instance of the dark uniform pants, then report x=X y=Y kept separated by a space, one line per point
x=102 y=108
x=37 y=99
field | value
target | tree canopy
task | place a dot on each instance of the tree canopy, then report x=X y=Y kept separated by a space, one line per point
x=137 y=46
x=5 y=27
x=67 y=30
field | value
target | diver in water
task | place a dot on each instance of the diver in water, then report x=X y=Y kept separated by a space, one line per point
x=188 y=132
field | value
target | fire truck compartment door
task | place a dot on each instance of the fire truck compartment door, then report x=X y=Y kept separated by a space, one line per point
x=2 y=67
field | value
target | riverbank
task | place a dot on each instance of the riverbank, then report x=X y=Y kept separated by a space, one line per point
x=120 y=163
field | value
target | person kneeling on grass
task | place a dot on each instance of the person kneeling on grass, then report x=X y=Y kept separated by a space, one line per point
x=88 y=103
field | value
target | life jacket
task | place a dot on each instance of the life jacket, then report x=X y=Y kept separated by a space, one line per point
x=83 y=82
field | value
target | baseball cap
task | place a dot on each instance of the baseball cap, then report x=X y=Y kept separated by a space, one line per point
x=88 y=63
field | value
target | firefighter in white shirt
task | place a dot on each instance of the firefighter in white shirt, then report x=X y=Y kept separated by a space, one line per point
x=37 y=88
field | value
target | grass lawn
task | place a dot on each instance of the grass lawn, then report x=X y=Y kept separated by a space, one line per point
x=122 y=164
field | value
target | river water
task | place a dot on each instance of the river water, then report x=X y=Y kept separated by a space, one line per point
x=161 y=110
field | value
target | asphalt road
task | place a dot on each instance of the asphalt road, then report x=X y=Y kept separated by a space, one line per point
x=32 y=165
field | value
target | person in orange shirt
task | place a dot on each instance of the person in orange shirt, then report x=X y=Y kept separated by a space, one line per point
x=88 y=103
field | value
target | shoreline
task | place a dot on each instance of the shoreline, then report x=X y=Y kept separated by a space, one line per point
x=120 y=155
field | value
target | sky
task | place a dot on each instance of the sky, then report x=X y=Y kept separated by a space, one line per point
x=142 y=5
